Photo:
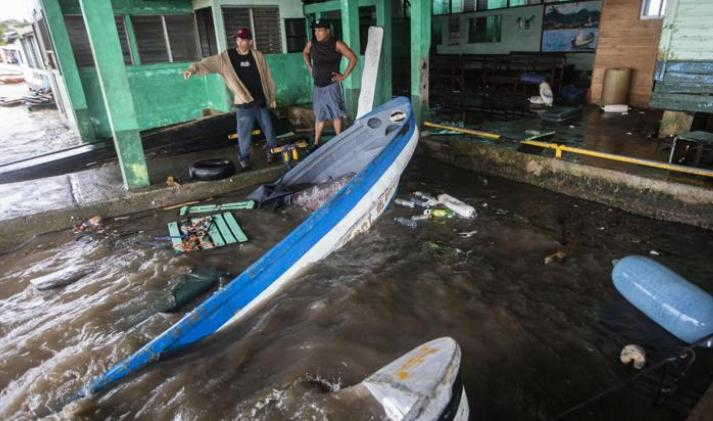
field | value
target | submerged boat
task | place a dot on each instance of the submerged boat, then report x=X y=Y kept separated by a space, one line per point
x=423 y=385
x=374 y=151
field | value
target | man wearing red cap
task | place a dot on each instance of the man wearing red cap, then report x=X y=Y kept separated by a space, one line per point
x=247 y=75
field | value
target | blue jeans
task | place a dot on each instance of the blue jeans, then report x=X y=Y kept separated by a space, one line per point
x=245 y=118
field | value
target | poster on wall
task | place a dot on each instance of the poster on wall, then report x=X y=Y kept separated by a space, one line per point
x=571 y=27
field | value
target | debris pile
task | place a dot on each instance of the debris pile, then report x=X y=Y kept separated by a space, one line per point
x=443 y=206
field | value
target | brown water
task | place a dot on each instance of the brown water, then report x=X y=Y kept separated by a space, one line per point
x=536 y=339
x=25 y=134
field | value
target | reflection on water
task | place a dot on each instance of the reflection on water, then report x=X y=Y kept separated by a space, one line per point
x=536 y=338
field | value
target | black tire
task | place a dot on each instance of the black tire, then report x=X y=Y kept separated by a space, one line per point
x=211 y=169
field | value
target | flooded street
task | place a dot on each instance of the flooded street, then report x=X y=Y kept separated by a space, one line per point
x=536 y=338
x=26 y=134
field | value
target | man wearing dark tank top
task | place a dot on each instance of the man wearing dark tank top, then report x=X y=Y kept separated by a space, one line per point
x=322 y=55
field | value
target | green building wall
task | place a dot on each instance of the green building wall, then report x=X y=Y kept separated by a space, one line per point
x=162 y=97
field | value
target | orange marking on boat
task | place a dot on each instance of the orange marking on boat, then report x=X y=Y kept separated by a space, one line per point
x=402 y=373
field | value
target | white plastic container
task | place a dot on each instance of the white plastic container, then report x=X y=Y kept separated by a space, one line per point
x=616 y=108
x=460 y=208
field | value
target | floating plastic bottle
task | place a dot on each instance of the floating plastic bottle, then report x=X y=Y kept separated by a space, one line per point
x=442 y=213
x=427 y=198
x=462 y=209
x=677 y=305
x=406 y=203
x=407 y=222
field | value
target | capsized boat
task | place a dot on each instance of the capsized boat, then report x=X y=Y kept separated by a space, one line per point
x=423 y=385
x=375 y=149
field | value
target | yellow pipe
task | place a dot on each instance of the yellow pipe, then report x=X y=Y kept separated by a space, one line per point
x=479 y=133
x=620 y=158
x=559 y=149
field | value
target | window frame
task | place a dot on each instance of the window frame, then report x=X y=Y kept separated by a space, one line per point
x=166 y=39
x=508 y=5
x=297 y=21
x=250 y=9
x=644 y=6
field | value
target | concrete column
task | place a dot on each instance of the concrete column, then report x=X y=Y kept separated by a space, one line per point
x=383 y=19
x=116 y=92
x=420 y=50
x=350 y=36
x=222 y=43
x=68 y=66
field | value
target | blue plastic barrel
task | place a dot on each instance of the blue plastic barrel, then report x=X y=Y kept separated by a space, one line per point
x=677 y=305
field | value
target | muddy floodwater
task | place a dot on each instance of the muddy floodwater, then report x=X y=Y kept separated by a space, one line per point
x=25 y=134
x=536 y=338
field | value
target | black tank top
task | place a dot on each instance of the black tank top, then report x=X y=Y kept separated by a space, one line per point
x=325 y=61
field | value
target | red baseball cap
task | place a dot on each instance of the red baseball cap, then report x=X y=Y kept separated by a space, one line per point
x=243 y=33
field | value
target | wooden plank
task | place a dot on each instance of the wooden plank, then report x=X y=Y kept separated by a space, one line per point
x=248 y=204
x=176 y=236
x=683 y=102
x=370 y=71
x=682 y=88
x=214 y=234
x=224 y=230
x=234 y=227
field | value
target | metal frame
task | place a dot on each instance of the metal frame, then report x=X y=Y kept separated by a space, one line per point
x=133 y=44
x=644 y=6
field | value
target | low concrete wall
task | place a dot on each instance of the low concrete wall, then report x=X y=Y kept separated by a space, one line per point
x=658 y=199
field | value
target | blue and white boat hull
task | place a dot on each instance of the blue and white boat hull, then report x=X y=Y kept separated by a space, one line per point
x=350 y=212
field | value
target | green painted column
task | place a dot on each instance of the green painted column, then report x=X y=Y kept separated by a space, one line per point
x=116 y=92
x=350 y=36
x=68 y=66
x=383 y=19
x=420 y=50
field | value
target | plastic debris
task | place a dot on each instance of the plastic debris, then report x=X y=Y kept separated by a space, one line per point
x=654 y=253
x=616 y=108
x=457 y=206
x=442 y=213
x=536 y=100
x=405 y=203
x=559 y=255
x=312 y=198
x=546 y=94
x=407 y=222
x=190 y=286
x=635 y=354
x=174 y=182
x=423 y=217
x=467 y=234
x=428 y=200
x=91 y=224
